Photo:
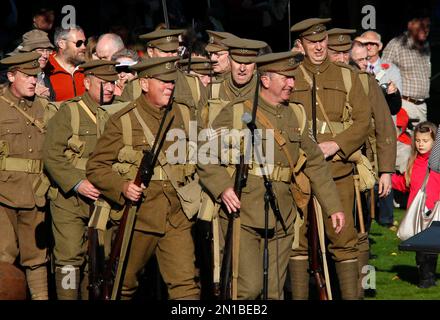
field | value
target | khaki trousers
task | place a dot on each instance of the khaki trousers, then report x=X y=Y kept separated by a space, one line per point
x=343 y=246
x=22 y=232
x=175 y=256
x=250 y=269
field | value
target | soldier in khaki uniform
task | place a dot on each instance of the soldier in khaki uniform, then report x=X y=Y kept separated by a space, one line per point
x=277 y=81
x=239 y=83
x=161 y=226
x=22 y=194
x=381 y=140
x=71 y=138
x=219 y=52
x=332 y=97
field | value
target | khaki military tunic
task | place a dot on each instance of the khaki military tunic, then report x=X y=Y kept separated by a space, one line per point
x=220 y=93
x=21 y=209
x=331 y=89
x=161 y=227
x=70 y=210
x=381 y=143
x=383 y=129
x=217 y=179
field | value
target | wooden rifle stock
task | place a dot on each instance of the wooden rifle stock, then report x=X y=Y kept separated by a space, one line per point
x=315 y=260
x=226 y=270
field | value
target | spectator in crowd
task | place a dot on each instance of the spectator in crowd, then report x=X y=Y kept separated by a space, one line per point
x=387 y=74
x=38 y=41
x=412 y=181
x=410 y=52
x=66 y=78
x=91 y=49
x=43 y=19
x=108 y=44
x=125 y=58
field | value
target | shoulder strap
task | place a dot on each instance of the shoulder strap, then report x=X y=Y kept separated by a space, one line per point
x=318 y=99
x=193 y=84
x=346 y=77
x=300 y=114
x=74 y=120
x=215 y=90
x=126 y=130
x=184 y=111
x=237 y=112
x=364 y=80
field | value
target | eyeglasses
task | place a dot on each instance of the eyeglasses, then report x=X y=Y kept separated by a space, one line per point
x=79 y=43
x=371 y=44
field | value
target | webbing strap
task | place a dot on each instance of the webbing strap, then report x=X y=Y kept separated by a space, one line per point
x=126 y=130
x=162 y=158
x=40 y=126
x=87 y=110
x=74 y=120
x=21 y=165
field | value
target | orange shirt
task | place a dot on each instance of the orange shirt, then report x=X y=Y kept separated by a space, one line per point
x=65 y=86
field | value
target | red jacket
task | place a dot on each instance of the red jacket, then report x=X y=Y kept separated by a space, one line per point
x=65 y=86
x=417 y=176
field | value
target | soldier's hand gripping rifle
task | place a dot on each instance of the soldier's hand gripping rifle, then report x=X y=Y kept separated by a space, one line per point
x=226 y=287
x=316 y=265
x=114 y=269
x=241 y=175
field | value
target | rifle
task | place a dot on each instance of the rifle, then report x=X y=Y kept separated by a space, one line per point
x=114 y=268
x=165 y=13
x=315 y=261
x=241 y=176
x=96 y=252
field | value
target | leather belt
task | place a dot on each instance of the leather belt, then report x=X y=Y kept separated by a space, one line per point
x=413 y=101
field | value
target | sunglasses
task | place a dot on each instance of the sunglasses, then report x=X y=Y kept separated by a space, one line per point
x=79 y=43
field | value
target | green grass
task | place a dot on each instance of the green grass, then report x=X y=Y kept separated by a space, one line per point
x=396 y=273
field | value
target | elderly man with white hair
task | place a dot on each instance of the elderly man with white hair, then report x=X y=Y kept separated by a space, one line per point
x=108 y=44
x=385 y=72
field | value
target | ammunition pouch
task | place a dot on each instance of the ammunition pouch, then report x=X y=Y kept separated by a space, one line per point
x=366 y=173
x=190 y=196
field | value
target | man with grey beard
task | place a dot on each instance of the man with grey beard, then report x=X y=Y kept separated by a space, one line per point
x=65 y=76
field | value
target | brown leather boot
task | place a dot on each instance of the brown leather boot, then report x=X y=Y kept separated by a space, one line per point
x=299 y=278
x=348 y=279
x=67 y=283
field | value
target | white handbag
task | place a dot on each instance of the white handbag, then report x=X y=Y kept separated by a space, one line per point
x=415 y=219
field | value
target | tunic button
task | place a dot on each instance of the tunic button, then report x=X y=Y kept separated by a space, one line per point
x=7 y=130
x=24 y=109
x=29 y=136
x=28 y=123
x=87 y=131
x=164 y=185
x=279 y=163
x=31 y=150
x=278 y=116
